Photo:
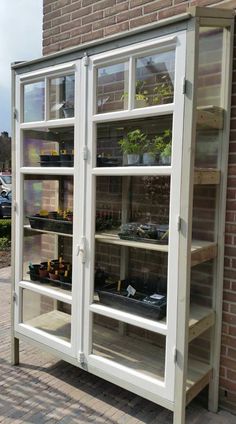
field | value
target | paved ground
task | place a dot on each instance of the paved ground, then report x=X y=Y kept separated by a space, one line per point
x=45 y=390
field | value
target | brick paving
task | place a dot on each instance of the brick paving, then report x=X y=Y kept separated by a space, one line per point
x=44 y=390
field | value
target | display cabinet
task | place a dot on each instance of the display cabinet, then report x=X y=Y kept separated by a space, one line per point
x=120 y=178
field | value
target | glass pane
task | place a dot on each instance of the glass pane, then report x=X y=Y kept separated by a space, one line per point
x=61 y=97
x=34 y=101
x=48 y=147
x=46 y=314
x=210 y=115
x=155 y=79
x=137 y=142
x=129 y=346
x=48 y=223
x=132 y=229
x=112 y=88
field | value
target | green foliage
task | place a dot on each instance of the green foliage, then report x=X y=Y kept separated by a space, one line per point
x=5 y=150
x=161 y=144
x=163 y=90
x=5 y=228
x=133 y=142
x=4 y=243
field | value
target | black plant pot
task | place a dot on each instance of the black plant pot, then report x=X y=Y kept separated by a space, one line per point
x=66 y=159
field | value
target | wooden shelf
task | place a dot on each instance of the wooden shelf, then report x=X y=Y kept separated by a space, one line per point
x=56 y=323
x=35 y=230
x=206 y=176
x=210 y=117
x=200 y=319
x=145 y=357
x=201 y=251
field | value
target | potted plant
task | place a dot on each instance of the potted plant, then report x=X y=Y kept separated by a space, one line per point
x=132 y=145
x=141 y=94
x=166 y=155
x=150 y=152
x=67 y=109
x=162 y=145
x=163 y=91
x=141 y=98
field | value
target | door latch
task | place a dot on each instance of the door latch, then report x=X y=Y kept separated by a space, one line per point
x=81 y=249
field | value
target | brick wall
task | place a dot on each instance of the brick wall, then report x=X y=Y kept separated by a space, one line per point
x=69 y=23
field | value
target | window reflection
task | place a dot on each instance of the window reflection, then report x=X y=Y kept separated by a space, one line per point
x=112 y=88
x=34 y=101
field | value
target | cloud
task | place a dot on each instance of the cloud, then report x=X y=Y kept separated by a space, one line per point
x=20 y=39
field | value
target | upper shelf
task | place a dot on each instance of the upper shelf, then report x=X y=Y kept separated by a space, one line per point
x=210 y=117
x=201 y=251
x=206 y=176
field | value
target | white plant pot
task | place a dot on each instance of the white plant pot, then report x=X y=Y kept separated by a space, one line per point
x=133 y=159
x=165 y=160
x=140 y=103
x=149 y=159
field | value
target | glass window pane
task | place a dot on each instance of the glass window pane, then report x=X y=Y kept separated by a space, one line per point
x=132 y=230
x=137 y=142
x=112 y=88
x=129 y=346
x=48 y=226
x=48 y=147
x=46 y=314
x=34 y=101
x=61 y=97
x=155 y=79
x=210 y=115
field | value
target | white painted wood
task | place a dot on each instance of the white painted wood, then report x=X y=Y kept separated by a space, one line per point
x=65 y=122
x=58 y=70
x=185 y=239
x=133 y=170
x=135 y=113
x=226 y=81
x=161 y=43
x=28 y=227
x=155 y=326
x=46 y=171
x=54 y=293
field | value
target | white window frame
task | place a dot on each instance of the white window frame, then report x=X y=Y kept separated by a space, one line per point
x=109 y=368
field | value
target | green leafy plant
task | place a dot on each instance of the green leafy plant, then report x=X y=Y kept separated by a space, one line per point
x=5 y=228
x=133 y=142
x=140 y=92
x=163 y=90
x=4 y=243
x=161 y=144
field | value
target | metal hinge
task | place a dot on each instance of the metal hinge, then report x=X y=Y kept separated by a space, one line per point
x=81 y=358
x=85 y=60
x=179 y=220
x=85 y=153
x=175 y=354
x=184 y=85
x=14 y=296
x=81 y=249
x=15 y=114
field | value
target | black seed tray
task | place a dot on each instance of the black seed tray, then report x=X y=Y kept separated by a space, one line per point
x=57 y=225
x=119 y=300
x=58 y=283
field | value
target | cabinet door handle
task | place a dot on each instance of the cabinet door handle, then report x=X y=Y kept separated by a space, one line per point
x=81 y=249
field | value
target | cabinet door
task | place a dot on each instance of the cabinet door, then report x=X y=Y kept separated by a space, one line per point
x=133 y=189
x=47 y=166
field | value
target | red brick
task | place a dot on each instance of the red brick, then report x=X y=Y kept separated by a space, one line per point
x=92 y=36
x=104 y=23
x=176 y=10
x=104 y=4
x=135 y=3
x=115 y=10
x=157 y=5
x=143 y=20
x=70 y=43
x=129 y=14
x=82 y=12
x=124 y=26
x=93 y=17
x=81 y=30
x=52 y=15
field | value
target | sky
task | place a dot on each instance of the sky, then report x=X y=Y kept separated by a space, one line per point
x=20 y=39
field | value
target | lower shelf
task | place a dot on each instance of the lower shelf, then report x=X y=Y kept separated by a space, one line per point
x=56 y=323
x=131 y=353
